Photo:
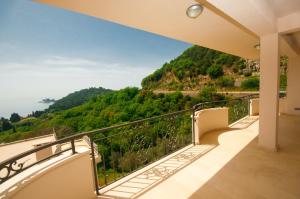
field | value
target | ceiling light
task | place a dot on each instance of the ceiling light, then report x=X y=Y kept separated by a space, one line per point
x=194 y=10
x=257 y=46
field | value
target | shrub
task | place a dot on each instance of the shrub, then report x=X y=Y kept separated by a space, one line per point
x=215 y=71
x=283 y=82
x=247 y=73
x=209 y=93
x=252 y=83
x=226 y=81
x=235 y=69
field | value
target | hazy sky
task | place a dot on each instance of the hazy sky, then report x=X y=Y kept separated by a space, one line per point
x=50 y=52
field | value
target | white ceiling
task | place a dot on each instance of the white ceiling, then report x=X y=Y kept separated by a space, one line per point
x=231 y=26
x=168 y=18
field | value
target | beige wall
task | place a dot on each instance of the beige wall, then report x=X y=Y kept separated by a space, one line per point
x=208 y=120
x=69 y=179
x=282 y=105
x=254 y=106
x=293 y=88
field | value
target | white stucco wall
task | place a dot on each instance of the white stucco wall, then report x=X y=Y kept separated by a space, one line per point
x=293 y=86
x=71 y=178
x=209 y=120
x=254 y=106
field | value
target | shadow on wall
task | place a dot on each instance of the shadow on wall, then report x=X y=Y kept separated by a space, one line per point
x=212 y=137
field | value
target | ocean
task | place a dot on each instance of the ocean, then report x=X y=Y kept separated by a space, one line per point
x=23 y=106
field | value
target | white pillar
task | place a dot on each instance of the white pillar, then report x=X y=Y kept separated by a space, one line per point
x=269 y=91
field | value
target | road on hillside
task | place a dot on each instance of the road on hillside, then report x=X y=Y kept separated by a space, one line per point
x=195 y=92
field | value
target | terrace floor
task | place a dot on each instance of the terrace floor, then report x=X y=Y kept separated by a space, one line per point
x=227 y=164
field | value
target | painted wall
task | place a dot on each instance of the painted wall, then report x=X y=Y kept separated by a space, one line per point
x=209 y=120
x=69 y=179
x=254 y=106
x=293 y=86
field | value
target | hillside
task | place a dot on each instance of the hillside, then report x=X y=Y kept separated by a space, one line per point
x=77 y=98
x=198 y=66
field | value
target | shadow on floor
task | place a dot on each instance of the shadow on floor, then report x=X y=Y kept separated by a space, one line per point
x=258 y=173
x=151 y=177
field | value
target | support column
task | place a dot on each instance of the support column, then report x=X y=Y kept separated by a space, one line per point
x=269 y=91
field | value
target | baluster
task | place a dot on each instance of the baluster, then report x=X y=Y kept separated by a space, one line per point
x=193 y=126
x=104 y=169
x=73 y=146
x=94 y=165
x=113 y=159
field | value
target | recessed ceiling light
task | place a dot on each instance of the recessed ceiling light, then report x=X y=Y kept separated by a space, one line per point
x=194 y=10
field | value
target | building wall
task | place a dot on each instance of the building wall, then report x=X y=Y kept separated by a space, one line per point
x=293 y=86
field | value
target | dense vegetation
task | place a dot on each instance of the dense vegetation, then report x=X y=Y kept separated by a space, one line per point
x=101 y=111
x=252 y=83
x=194 y=67
x=198 y=67
x=77 y=98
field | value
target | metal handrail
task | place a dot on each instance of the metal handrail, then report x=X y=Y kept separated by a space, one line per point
x=12 y=162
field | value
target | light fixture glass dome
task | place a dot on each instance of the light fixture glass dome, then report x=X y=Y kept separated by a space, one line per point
x=194 y=10
x=257 y=46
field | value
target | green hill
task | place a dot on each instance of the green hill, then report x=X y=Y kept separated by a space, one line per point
x=196 y=67
x=76 y=98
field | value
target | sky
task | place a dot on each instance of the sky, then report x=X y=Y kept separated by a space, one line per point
x=47 y=52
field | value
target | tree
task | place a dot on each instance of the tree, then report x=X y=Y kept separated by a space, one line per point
x=15 y=117
x=6 y=125
x=215 y=71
